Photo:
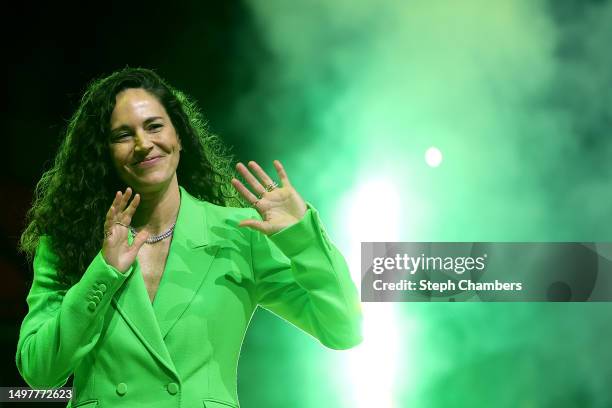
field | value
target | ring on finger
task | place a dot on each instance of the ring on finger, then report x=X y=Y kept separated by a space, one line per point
x=271 y=186
x=122 y=224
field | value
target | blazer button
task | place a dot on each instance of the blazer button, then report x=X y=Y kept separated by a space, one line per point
x=91 y=306
x=98 y=293
x=102 y=287
x=96 y=299
x=121 y=388
x=172 y=388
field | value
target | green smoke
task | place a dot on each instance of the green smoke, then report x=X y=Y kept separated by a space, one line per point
x=517 y=95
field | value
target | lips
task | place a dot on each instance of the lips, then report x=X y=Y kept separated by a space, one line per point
x=147 y=161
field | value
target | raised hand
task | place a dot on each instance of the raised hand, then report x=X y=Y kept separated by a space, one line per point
x=115 y=249
x=279 y=207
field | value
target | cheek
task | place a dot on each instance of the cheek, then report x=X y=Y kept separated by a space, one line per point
x=177 y=158
x=118 y=156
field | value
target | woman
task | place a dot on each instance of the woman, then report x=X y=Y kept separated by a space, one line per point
x=146 y=302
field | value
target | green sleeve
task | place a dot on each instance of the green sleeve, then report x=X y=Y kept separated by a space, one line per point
x=62 y=325
x=302 y=277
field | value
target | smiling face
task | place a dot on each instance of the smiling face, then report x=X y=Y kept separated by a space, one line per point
x=144 y=146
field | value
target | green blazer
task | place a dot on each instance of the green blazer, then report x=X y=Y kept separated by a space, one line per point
x=182 y=350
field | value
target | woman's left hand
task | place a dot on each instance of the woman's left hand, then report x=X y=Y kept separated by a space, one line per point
x=279 y=206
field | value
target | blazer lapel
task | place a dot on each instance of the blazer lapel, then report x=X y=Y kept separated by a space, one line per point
x=188 y=262
x=133 y=303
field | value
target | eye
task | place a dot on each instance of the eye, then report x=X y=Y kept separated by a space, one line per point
x=117 y=137
x=120 y=137
x=155 y=127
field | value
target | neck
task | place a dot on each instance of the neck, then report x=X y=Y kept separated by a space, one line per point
x=158 y=209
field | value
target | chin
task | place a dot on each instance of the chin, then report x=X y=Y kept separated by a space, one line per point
x=150 y=184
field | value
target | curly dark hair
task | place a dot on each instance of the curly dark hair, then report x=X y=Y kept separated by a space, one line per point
x=73 y=196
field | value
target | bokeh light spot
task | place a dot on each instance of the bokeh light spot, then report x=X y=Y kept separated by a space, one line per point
x=433 y=157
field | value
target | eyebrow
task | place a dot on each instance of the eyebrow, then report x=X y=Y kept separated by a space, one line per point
x=146 y=122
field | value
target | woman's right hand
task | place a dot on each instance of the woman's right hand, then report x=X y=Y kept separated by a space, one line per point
x=115 y=249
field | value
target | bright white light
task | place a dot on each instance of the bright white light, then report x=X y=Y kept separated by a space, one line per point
x=374 y=214
x=370 y=213
x=372 y=366
x=374 y=211
x=433 y=157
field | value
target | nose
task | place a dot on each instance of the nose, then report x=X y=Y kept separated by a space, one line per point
x=142 y=143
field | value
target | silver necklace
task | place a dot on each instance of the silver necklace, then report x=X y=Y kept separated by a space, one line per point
x=156 y=238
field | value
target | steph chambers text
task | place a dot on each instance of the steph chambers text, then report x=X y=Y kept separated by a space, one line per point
x=450 y=285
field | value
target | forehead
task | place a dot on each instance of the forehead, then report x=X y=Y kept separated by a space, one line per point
x=135 y=104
